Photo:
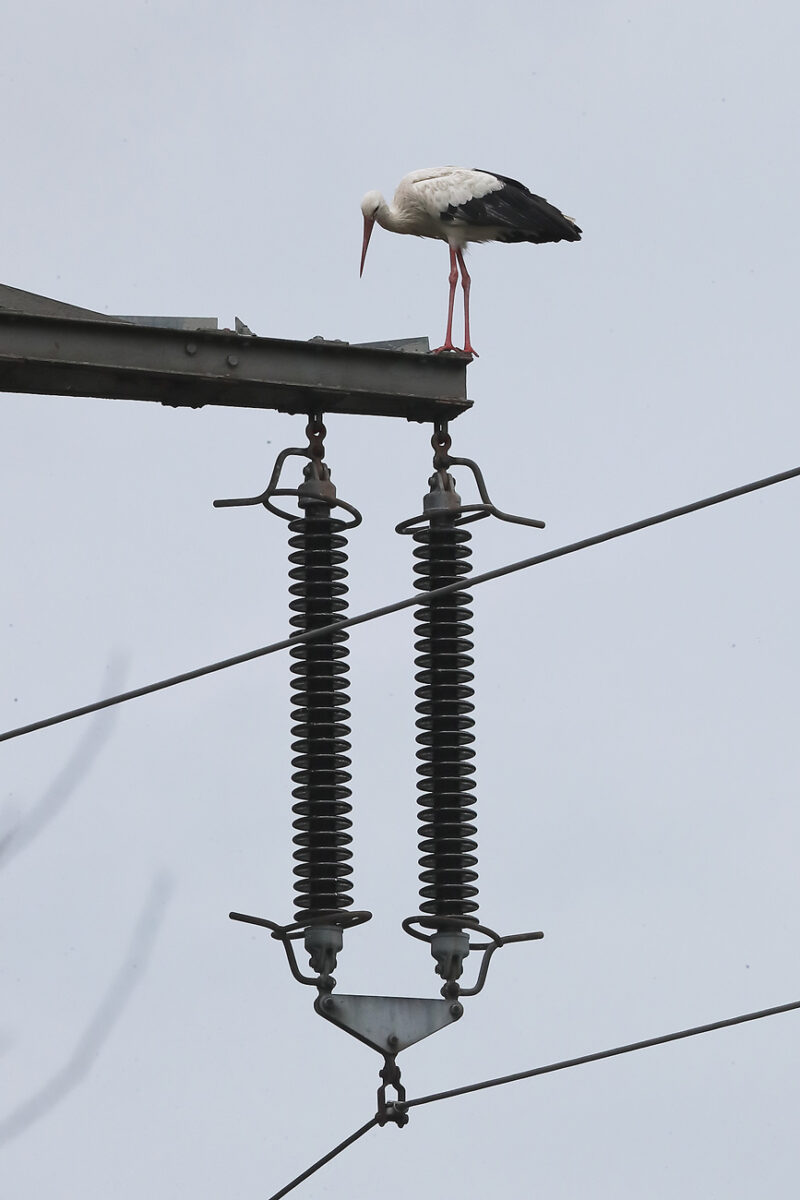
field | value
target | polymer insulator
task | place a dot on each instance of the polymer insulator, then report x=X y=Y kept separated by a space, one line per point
x=320 y=715
x=445 y=770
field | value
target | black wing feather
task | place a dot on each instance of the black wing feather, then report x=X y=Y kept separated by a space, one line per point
x=517 y=212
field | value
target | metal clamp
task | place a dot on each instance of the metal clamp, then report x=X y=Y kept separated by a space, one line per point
x=391 y=1110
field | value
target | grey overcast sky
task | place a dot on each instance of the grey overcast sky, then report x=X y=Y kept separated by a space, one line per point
x=636 y=704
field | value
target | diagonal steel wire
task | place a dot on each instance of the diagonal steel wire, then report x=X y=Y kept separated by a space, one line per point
x=545 y=1070
x=420 y=598
x=325 y=1159
x=600 y=1054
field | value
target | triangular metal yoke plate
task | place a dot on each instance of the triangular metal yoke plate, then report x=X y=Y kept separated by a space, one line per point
x=388 y=1023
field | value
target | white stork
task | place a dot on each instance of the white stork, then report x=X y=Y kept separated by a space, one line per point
x=458 y=206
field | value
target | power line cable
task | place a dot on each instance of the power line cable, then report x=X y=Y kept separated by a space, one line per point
x=419 y=598
x=587 y=1058
x=326 y=1158
x=545 y=1070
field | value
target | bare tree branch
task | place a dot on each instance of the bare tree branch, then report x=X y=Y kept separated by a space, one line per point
x=99 y=1029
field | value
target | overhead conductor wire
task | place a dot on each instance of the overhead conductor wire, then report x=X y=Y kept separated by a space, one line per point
x=326 y=631
x=326 y=1158
x=549 y=1069
x=386 y=610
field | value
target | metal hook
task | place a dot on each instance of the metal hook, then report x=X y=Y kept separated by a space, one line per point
x=441 y=442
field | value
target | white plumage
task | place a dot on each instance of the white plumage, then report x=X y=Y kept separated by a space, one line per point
x=458 y=205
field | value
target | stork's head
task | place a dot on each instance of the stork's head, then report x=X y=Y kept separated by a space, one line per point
x=370 y=207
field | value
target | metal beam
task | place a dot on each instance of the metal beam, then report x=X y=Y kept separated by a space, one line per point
x=54 y=354
x=16 y=300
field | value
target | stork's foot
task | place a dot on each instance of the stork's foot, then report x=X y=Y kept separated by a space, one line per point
x=456 y=350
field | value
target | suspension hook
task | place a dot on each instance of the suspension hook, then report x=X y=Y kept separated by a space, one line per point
x=441 y=442
x=315 y=432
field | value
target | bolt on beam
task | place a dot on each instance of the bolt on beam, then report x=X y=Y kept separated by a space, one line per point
x=78 y=353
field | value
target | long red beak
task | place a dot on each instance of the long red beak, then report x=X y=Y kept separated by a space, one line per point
x=369 y=224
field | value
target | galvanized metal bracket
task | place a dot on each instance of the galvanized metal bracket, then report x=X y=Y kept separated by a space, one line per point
x=388 y=1024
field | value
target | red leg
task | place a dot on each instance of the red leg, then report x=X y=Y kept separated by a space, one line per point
x=448 y=337
x=465 y=282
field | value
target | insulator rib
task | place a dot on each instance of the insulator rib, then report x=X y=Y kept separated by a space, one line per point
x=445 y=770
x=320 y=715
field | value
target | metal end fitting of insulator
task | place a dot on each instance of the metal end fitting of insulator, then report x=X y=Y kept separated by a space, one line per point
x=323 y=943
x=316 y=487
x=443 y=496
x=450 y=948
